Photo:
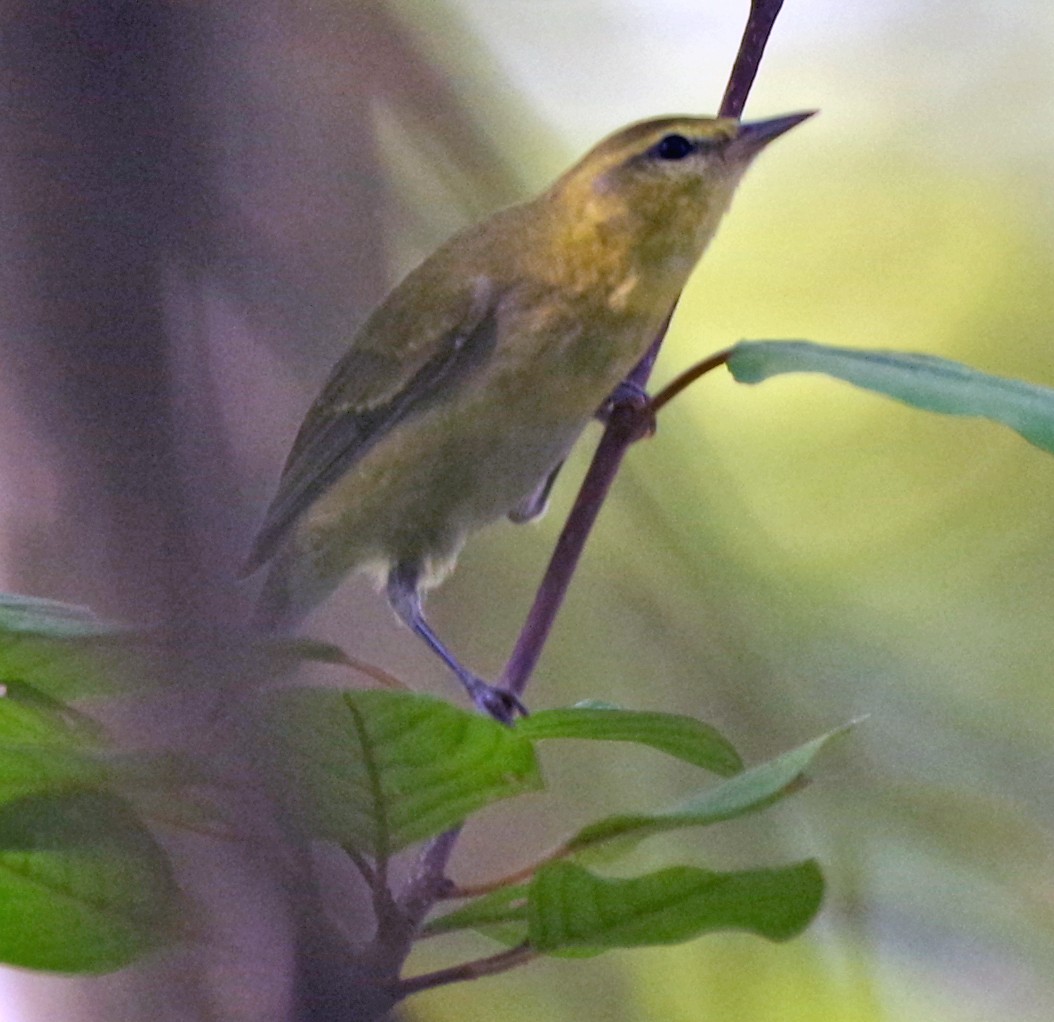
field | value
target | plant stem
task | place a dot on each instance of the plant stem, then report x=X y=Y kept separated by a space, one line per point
x=516 y=877
x=626 y=420
x=623 y=427
x=501 y=962
x=762 y=17
x=686 y=379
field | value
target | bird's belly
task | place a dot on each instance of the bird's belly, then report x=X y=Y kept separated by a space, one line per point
x=474 y=455
x=438 y=477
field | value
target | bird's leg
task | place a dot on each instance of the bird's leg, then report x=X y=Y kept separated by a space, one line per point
x=405 y=600
x=634 y=396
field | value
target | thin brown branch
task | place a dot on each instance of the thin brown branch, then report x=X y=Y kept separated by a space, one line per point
x=625 y=422
x=516 y=877
x=762 y=17
x=362 y=865
x=378 y=674
x=476 y=969
x=686 y=379
x=623 y=427
x=429 y=882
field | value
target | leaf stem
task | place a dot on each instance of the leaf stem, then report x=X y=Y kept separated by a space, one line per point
x=686 y=379
x=476 y=969
x=516 y=877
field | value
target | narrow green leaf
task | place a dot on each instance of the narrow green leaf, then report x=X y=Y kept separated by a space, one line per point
x=502 y=914
x=379 y=770
x=923 y=381
x=26 y=718
x=684 y=737
x=35 y=616
x=83 y=885
x=570 y=908
x=748 y=792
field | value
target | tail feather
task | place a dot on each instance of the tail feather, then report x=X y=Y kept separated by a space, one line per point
x=276 y=612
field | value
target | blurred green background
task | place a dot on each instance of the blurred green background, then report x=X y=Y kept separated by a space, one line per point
x=777 y=559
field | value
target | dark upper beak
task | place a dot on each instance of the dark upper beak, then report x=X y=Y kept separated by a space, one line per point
x=753 y=136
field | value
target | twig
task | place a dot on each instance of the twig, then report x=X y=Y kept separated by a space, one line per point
x=480 y=967
x=625 y=423
x=751 y=47
x=429 y=882
x=516 y=877
x=686 y=379
x=362 y=865
x=623 y=427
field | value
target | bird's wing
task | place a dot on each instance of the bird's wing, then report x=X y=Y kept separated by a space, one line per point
x=536 y=502
x=396 y=367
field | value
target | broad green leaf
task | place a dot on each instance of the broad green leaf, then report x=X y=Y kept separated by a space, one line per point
x=748 y=792
x=43 y=749
x=55 y=651
x=684 y=737
x=47 y=751
x=74 y=725
x=923 y=381
x=379 y=770
x=83 y=885
x=567 y=908
x=570 y=908
x=26 y=718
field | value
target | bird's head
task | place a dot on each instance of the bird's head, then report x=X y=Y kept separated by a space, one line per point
x=660 y=187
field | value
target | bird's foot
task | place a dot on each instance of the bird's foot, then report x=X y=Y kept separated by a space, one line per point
x=496 y=702
x=630 y=399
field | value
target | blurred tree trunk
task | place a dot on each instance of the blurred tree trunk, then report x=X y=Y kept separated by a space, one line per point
x=168 y=182
x=100 y=174
x=108 y=193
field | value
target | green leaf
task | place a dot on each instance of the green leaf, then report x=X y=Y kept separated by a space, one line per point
x=502 y=915
x=40 y=752
x=565 y=907
x=46 y=750
x=35 y=616
x=83 y=885
x=684 y=737
x=748 y=792
x=570 y=908
x=923 y=381
x=55 y=651
x=377 y=771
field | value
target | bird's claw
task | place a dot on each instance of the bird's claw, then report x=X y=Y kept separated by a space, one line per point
x=498 y=703
x=633 y=398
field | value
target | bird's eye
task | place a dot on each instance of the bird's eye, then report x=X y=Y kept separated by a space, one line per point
x=673 y=147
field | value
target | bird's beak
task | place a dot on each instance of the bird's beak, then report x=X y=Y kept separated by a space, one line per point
x=753 y=136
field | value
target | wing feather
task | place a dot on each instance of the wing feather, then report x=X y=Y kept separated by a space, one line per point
x=396 y=368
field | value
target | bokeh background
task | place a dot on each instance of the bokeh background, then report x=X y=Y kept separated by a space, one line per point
x=202 y=200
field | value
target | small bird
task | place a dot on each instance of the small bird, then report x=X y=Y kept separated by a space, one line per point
x=462 y=394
